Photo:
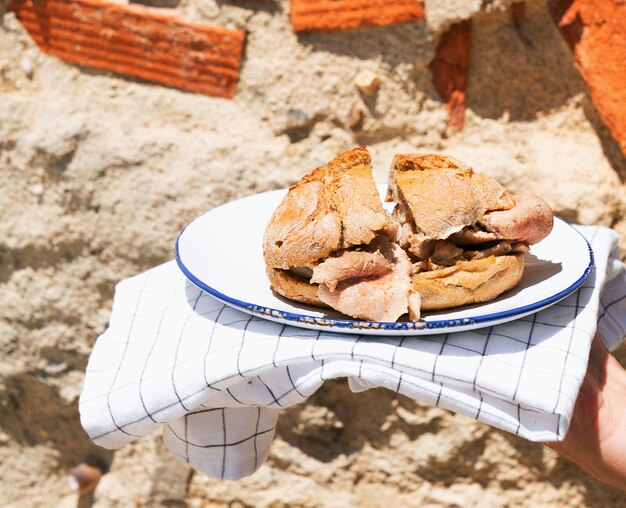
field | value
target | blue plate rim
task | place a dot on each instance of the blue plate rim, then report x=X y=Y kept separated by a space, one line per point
x=350 y=324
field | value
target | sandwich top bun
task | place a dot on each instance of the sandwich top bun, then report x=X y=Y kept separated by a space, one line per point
x=440 y=195
x=333 y=207
x=455 y=237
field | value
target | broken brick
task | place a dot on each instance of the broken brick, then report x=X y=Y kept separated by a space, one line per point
x=339 y=14
x=596 y=31
x=356 y=117
x=450 y=69
x=518 y=13
x=367 y=82
x=136 y=41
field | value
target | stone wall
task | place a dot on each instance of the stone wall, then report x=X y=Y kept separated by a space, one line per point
x=98 y=174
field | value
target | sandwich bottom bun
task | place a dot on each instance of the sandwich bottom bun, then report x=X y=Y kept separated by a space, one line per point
x=466 y=282
x=293 y=287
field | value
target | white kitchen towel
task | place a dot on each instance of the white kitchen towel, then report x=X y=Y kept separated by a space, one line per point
x=217 y=378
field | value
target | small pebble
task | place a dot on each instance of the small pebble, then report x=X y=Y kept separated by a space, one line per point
x=36 y=190
x=292 y=151
x=27 y=67
x=356 y=117
x=367 y=82
x=297 y=119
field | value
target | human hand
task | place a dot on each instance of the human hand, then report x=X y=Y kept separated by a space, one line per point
x=596 y=439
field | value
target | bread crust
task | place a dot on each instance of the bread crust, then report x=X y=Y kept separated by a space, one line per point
x=333 y=207
x=293 y=287
x=440 y=195
x=466 y=282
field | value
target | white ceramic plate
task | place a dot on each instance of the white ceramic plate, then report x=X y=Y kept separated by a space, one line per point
x=221 y=252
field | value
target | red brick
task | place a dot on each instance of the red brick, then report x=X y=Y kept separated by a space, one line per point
x=518 y=13
x=596 y=31
x=338 y=14
x=136 y=41
x=450 y=69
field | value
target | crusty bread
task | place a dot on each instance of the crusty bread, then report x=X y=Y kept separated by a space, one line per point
x=293 y=287
x=477 y=280
x=441 y=195
x=333 y=207
x=335 y=212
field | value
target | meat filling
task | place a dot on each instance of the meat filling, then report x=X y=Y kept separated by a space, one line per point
x=498 y=233
x=472 y=235
x=350 y=265
x=374 y=282
x=530 y=220
x=380 y=291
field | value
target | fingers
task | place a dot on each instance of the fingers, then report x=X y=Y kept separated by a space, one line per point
x=594 y=440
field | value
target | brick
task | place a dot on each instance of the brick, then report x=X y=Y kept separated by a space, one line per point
x=340 y=14
x=518 y=13
x=450 y=68
x=136 y=41
x=596 y=31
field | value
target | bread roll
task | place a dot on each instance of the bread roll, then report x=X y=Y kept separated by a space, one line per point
x=459 y=237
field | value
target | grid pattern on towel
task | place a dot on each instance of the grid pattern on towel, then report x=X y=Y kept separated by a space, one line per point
x=217 y=378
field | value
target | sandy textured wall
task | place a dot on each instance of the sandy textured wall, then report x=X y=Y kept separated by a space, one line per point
x=98 y=174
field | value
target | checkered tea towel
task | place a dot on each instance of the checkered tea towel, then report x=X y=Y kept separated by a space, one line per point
x=216 y=378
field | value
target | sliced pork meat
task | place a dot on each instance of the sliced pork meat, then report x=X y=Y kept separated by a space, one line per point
x=350 y=265
x=472 y=235
x=415 y=306
x=519 y=247
x=499 y=249
x=401 y=229
x=529 y=221
x=374 y=298
x=445 y=253
x=420 y=246
x=422 y=266
x=393 y=230
x=405 y=235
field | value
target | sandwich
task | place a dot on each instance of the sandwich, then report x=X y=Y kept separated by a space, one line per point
x=465 y=234
x=327 y=244
x=454 y=237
